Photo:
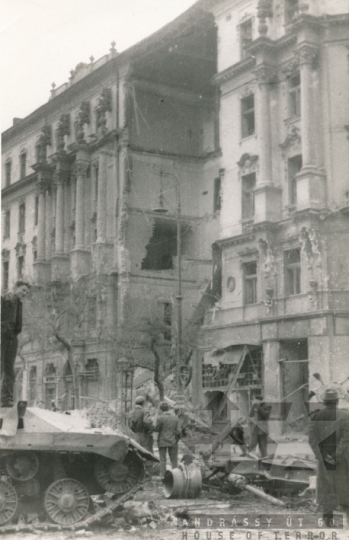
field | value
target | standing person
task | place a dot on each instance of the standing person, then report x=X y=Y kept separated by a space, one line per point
x=259 y=415
x=141 y=424
x=168 y=426
x=11 y=326
x=329 y=440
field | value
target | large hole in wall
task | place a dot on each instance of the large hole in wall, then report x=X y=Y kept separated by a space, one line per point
x=162 y=246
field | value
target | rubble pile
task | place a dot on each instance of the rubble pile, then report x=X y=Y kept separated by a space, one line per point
x=140 y=514
x=100 y=415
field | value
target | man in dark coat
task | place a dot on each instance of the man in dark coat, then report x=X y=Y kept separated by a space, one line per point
x=329 y=440
x=168 y=426
x=141 y=424
x=259 y=415
x=11 y=326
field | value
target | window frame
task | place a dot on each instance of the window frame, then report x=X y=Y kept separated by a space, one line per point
x=292 y=178
x=5 y=275
x=294 y=95
x=292 y=274
x=7 y=224
x=22 y=165
x=248 y=124
x=217 y=195
x=245 y=42
x=21 y=218
x=36 y=213
x=20 y=266
x=250 y=279
x=8 y=172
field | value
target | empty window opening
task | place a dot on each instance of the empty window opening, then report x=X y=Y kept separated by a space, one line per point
x=247 y=116
x=8 y=171
x=22 y=165
x=21 y=225
x=250 y=282
x=294 y=93
x=162 y=247
x=294 y=371
x=217 y=195
x=294 y=166
x=7 y=224
x=245 y=37
x=5 y=275
x=292 y=260
x=36 y=215
x=20 y=266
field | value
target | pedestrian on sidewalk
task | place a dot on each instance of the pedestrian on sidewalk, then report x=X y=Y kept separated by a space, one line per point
x=259 y=416
x=329 y=440
x=168 y=426
x=141 y=424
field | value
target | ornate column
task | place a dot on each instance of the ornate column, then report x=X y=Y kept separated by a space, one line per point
x=102 y=198
x=81 y=166
x=267 y=196
x=80 y=256
x=60 y=261
x=49 y=222
x=42 y=224
x=41 y=268
x=310 y=181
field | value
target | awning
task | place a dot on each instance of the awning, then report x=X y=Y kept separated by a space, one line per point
x=230 y=356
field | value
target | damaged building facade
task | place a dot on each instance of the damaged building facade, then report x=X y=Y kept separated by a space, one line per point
x=91 y=185
x=284 y=222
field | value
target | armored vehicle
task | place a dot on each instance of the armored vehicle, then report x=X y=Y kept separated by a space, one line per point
x=51 y=463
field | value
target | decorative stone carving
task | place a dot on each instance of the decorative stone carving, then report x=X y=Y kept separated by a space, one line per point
x=231 y=283
x=246 y=90
x=20 y=249
x=293 y=137
x=291 y=66
x=81 y=167
x=310 y=247
x=63 y=129
x=264 y=10
x=104 y=106
x=83 y=117
x=5 y=253
x=248 y=164
x=264 y=73
x=268 y=257
x=306 y=54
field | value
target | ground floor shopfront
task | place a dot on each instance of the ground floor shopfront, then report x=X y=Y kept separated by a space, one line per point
x=276 y=357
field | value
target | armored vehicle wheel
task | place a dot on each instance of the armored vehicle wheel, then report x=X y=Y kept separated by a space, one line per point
x=66 y=501
x=8 y=502
x=22 y=466
x=119 y=476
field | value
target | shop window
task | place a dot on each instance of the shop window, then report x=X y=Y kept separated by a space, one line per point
x=217 y=196
x=21 y=225
x=36 y=214
x=245 y=37
x=7 y=224
x=8 y=172
x=22 y=165
x=292 y=260
x=5 y=275
x=294 y=95
x=248 y=183
x=162 y=247
x=294 y=166
x=250 y=282
x=247 y=116
x=291 y=9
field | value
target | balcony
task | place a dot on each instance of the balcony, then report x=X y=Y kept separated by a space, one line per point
x=280 y=307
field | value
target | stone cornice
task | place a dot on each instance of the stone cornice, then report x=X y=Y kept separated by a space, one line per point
x=236 y=240
x=233 y=71
x=30 y=179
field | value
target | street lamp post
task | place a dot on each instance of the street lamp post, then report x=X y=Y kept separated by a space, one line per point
x=179 y=281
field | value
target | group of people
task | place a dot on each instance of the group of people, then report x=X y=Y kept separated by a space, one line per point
x=168 y=426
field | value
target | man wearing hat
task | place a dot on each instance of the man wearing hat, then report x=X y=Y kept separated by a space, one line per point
x=169 y=428
x=141 y=424
x=329 y=440
x=259 y=416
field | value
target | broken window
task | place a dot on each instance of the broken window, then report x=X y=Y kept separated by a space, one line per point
x=247 y=116
x=294 y=93
x=250 y=282
x=245 y=37
x=162 y=247
x=292 y=260
x=248 y=184
x=294 y=166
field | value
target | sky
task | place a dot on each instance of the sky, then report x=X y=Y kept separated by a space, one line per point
x=42 y=40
